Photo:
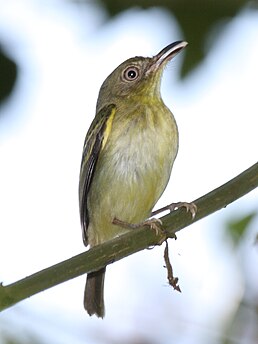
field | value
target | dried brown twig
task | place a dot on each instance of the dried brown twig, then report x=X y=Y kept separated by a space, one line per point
x=173 y=281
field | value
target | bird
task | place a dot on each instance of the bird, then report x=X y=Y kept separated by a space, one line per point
x=127 y=158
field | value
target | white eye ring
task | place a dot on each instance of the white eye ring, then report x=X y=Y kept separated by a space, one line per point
x=131 y=73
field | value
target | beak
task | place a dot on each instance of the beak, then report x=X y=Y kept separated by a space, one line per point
x=167 y=54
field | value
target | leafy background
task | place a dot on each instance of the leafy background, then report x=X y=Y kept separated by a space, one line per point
x=53 y=57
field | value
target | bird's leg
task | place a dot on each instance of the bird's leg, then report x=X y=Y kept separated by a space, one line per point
x=152 y=223
x=171 y=207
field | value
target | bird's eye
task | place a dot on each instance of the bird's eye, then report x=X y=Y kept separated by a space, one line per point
x=131 y=73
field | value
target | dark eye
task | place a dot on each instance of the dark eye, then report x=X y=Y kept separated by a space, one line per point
x=131 y=73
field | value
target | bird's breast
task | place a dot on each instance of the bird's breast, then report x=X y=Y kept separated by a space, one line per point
x=143 y=143
x=133 y=170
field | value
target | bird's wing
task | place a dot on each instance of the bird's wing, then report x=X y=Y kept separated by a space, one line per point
x=95 y=141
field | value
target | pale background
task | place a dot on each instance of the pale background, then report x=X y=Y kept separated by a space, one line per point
x=64 y=52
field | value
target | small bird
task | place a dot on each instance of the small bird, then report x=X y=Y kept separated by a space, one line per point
x=127 y=157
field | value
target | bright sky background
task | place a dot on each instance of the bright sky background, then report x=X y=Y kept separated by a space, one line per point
x=64 y=52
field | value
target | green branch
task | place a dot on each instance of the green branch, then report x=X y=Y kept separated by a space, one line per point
x=129 y=243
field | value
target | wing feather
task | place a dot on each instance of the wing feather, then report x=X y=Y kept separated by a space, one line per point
x=95 y=141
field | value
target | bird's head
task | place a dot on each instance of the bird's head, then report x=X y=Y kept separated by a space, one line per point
x=137 y=77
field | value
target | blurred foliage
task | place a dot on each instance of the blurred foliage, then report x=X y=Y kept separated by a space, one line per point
x=8 y=75
x=237 y=228
x=197 y=19
x=242 y=327
x=14 y=338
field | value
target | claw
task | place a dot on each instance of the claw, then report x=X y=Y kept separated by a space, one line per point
x=190 y=207
x=152 y=223
x=171 y=207
x=158 y=230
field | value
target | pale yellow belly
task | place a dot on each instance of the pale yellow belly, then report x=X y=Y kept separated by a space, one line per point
x=130 y=178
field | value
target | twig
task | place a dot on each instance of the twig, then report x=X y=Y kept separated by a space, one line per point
x=173 y=281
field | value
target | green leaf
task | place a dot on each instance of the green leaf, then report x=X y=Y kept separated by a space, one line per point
x=237 y=228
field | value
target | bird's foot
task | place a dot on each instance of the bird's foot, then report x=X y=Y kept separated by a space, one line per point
x=190 y=207
x=152 y=223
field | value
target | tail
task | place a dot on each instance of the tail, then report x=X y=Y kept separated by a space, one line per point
x=94 y=293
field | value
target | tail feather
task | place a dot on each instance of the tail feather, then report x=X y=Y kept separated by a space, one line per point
x=94 y=293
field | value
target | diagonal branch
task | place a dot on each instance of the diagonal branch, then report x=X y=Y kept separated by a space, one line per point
x=129 y=243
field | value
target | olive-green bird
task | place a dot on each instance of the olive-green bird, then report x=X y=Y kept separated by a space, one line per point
x=127 y=158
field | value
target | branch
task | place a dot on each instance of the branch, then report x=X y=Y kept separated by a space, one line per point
x=129 y=243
